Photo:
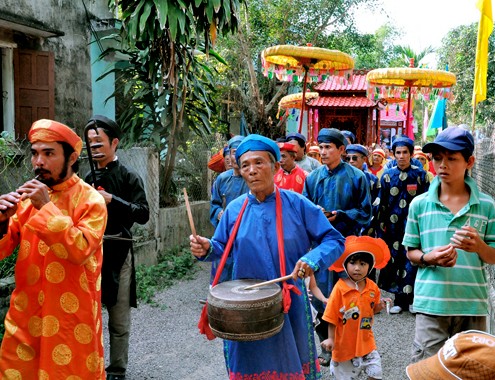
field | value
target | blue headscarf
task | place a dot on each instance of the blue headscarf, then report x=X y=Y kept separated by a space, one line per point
x=301 y=140
x=332 y=135
x=256 y=142
x=235 y=141
x=357 y=148
x=403 y=141
x=351 y=136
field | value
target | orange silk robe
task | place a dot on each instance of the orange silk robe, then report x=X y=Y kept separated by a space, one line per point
x=53 y=329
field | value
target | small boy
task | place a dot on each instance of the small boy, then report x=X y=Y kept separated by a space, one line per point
x=450 y=235
x=350 y=309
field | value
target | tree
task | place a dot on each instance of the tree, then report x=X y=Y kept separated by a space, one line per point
x=169 y=84
x=370 y=51
x=267 y=23
x=458 y=52
x=406 y=53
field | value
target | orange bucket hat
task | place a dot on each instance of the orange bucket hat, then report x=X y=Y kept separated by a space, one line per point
x=53 y=131
x=374 y=246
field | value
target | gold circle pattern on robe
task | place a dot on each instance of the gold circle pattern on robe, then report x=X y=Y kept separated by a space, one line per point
x=59 y=286
x=62 y=354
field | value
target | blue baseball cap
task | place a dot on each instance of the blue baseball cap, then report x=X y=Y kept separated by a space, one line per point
x=256 y=143
x=358 y=148
x=298 y=137
x=452 y=138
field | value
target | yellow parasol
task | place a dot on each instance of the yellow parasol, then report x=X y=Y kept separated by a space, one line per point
x=404 y=82
x=294 y=100
x=305 y=64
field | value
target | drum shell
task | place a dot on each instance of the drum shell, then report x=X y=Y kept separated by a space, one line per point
x=245 y=315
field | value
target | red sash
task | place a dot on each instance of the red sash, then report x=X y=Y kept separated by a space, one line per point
x=203 y=325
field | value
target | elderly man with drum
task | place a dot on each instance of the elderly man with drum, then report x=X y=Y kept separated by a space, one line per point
x=270 y=230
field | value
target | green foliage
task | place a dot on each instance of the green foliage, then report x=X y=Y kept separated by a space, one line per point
x=370 y=51
x=7 y=265
x=406 y=53
x=175 y=264
x=324 y=23
x=168 y=85
x=458 y=52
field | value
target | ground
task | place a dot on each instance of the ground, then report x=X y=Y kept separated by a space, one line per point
x=165 y=343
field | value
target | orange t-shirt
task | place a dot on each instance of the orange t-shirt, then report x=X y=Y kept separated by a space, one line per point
x=352 y=314
x=53 y=329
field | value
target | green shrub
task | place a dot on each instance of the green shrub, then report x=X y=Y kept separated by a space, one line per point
x=7 y=265
x=174 y=264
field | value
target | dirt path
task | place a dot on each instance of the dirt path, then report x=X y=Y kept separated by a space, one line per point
x=165 y=342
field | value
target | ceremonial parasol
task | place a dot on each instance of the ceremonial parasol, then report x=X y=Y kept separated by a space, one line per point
x=404 y=82
x=305 y=64
x=295 y=101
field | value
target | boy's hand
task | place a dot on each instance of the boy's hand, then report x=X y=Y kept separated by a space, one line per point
x=444 y=256
x=327 y=344
x=382 y=305
x=467 y=239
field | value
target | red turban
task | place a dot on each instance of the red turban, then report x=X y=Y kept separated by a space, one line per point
x=287 y=147
x=53 y=131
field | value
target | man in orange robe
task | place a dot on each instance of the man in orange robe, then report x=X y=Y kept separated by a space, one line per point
x=53 y=329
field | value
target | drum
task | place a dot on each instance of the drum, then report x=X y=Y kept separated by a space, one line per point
x=245 y=315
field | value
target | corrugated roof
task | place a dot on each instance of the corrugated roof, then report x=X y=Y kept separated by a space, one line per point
x=336 y=83
x=341 y=101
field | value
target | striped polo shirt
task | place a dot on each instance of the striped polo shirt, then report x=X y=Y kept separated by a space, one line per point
x=462 y=289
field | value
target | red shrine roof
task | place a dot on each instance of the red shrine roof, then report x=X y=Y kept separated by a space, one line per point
x=341 y=101
x=336 y=83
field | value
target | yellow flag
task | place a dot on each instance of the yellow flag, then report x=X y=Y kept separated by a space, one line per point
x=481 y=68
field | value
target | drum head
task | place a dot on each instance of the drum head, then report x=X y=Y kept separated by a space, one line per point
x=235 y=313
x=234 y=291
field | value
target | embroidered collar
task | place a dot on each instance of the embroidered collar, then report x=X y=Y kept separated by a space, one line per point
x=66 y=184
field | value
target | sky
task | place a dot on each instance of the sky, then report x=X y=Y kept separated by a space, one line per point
x=423 y=22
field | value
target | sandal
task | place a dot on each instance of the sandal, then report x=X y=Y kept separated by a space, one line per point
x=324 y=362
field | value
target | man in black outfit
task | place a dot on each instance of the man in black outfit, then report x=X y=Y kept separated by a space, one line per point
x=125 y=197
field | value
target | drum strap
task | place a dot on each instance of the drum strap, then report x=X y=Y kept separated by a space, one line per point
x=286 y=287
x=203 y=325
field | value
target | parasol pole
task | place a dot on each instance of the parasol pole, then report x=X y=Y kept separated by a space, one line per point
x=303 y=99
x=408 y=118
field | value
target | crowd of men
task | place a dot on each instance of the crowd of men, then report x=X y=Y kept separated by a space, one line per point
x=282 y=207
x=360 y=191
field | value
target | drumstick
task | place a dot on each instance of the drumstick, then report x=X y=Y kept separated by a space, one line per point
x=189 y=213
x=280 y=279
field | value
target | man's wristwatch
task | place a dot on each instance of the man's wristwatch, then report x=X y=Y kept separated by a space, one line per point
x=423 y=261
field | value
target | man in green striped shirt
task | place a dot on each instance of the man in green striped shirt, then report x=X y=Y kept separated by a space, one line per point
x=450 y=235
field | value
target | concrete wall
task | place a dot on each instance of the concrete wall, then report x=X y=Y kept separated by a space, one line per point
x=174 y=224
x=72 y=59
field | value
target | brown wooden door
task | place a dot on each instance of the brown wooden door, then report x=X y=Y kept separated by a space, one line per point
x=34 y=88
